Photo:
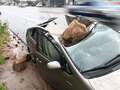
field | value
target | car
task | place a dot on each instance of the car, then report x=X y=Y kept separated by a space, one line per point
x=92 y=63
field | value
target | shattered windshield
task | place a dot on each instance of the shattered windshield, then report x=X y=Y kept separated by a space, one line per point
x=102 y=45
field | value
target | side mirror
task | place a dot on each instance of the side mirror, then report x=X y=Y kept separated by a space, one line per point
x=54 y=65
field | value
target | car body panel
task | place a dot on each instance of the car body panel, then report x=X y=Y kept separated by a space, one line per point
x=107 y=82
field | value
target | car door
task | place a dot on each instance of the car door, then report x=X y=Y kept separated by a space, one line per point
x=64 y=78
x=46 y=52
x=61 y=79
x=34 y=40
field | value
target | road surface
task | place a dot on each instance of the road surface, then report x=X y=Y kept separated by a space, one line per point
x=20 y=19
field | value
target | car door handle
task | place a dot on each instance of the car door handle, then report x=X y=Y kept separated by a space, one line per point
x=70 y=84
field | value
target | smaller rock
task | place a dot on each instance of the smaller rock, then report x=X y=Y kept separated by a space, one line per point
x=22 y=80
x=6 y=58
x=18 y=67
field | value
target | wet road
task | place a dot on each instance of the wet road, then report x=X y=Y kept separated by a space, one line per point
x=20 y=19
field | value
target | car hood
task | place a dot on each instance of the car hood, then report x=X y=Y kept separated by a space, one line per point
x=110 y=81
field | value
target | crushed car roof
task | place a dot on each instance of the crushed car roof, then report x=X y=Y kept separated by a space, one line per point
x=58 y=26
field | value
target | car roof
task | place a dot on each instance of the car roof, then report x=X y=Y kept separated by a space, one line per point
x=57 y=27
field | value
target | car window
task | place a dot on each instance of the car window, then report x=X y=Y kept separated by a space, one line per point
x=39 y=43
x=46 y=48
x=38 y=37
x=53 y=54
x=32 y=39
x=34 y=35
x=50 y=50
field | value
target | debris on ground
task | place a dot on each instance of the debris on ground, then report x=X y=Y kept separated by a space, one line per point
x=17 y=53
x=27 y=76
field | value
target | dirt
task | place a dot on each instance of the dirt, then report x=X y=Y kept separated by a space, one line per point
x=28 y=79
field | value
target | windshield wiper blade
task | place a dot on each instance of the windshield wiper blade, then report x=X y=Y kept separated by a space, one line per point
x=95 y=68
x=106 y=65
x=114 y=60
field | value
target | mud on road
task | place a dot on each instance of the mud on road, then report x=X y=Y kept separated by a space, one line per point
x=28 y=79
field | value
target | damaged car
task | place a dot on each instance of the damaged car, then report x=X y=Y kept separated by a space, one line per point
x=76 y=53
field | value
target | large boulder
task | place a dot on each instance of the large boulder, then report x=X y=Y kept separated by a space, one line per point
x=73 y=33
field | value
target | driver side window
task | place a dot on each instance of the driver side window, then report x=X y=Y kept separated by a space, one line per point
x=51 y=51
x=53 y=54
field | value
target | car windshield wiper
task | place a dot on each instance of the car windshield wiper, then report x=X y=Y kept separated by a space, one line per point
x=96 y=68
x=114 y=60
x=106 y=65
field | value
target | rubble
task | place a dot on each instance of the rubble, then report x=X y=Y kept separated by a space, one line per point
x=14 y=73
x=17 y=52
